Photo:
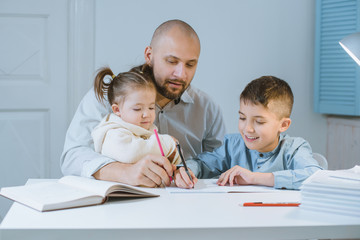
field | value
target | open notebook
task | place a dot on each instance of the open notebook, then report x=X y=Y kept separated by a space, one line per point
x=71 y=191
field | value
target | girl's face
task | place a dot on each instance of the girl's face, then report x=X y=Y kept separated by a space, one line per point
x=260 y=127
x=138 y=107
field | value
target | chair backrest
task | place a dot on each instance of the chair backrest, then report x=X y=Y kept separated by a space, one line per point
x=321 y=160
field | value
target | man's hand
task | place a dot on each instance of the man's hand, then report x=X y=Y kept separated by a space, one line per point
x=182 y=180
x=150 y=171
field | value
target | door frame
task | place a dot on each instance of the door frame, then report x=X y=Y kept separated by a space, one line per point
x=81 y=44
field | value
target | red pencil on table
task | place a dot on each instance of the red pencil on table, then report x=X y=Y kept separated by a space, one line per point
x=263 y=204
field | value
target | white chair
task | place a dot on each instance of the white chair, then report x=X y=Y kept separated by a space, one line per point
x=321 y=160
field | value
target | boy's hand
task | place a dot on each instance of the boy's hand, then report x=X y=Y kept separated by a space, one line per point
x=182 y=180
x=237 y=175
x=243 y=176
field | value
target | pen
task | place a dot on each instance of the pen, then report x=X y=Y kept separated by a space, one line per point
x=183 y=161
x=263 y=204
x=161 y=149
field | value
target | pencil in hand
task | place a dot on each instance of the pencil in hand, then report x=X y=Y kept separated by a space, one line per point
x=161 y=149
x=183 y=161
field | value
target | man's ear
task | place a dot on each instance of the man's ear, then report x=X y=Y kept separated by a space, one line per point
x=285 y=124
x=116 y=110
x=148 y=55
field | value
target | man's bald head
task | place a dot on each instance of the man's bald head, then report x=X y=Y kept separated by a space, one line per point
x=167 y=26
x=173 y=56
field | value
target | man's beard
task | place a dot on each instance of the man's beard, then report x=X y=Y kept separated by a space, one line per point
x=163 y=89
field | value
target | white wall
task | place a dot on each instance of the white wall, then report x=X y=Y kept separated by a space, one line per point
x=240 y=40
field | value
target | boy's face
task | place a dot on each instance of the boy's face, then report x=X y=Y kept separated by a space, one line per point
x=260 y=127
x=138 y=108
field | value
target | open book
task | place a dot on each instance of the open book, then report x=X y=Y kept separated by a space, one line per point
x=71 y=191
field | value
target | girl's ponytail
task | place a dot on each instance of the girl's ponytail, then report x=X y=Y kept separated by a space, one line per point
x=101 y=87
x=118 y=87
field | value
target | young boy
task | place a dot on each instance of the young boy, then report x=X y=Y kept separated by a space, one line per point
x=261 y=154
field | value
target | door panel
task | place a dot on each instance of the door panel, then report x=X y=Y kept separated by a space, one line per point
x=33 y=83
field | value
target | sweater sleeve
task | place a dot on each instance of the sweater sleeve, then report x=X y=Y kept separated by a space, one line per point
x=123 y=146
x=169 y=147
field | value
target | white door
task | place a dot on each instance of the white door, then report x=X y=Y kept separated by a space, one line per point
x=33 y=84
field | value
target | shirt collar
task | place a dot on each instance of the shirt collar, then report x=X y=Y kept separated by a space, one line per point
x=269 y=154
x=185 y=97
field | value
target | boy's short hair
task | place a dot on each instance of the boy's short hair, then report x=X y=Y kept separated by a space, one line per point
x=268 y=89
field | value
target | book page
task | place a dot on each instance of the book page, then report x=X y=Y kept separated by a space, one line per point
x=329 y=189
x=345 y=179
x=88 y=184
x=210 y=186
x=105 y=188
x=340 y=194
x=327 y=209
x=318 y=199
x=48 y=195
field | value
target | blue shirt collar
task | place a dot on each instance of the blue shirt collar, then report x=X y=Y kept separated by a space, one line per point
x=269 y=154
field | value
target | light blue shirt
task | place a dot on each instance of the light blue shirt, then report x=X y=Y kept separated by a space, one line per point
x=196 y=121
x=291 y=161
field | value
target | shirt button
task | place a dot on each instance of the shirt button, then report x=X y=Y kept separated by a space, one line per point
x=258 y=167
x=261 y=155
x=161 y=111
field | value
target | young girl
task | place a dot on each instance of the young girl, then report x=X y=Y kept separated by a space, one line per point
x=127 y=134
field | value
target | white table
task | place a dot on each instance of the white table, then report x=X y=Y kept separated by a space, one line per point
x=181 y=216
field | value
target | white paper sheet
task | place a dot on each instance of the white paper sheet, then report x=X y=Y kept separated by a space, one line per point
x=210 y=186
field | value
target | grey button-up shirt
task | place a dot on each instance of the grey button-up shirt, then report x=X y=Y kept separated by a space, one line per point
x=196 y=121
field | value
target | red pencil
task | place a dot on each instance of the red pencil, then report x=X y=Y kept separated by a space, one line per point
x=158 y=140
x=263 y=204
x=161 y=149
